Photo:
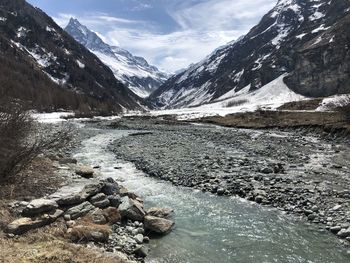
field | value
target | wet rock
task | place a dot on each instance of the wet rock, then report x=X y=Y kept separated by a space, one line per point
x=39 y=206
x=267 y=170
x=158 y=225
x=139 y=238
x=80 y=210
x=25 y=224
x=110 y=187
x=114 y=200
x=344 y=233
x=85 y=171
x=131 y=209
x=141 y=251
x=159 y=212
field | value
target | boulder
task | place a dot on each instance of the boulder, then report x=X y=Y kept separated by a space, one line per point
x=110 y=187
x=24 y=224
x=158 y=225
x=114 y=200
x=39 y=206
x=79 y=210
x=85 y=171
x=344 y=233
x=141 y=251
x=100 y=200
x=159 y=212
x=92 y=189
x=131 y=209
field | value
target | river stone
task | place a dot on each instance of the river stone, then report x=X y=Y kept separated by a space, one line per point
x=344 y=233
x=24 y=224
x=85 y=171
x=79 y=210
x=111 y=187
x=100 y=200
x=91 y=189
x=267 y=170
x=139 y=238
x=141 y=251
x=159 y=212
x=114 y=200
x=131 y=209
x=158 y=225
x=39 y=206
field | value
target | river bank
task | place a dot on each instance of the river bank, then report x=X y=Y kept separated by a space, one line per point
x=297 y=173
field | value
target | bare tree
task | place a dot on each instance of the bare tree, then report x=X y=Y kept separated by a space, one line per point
x=20 y=141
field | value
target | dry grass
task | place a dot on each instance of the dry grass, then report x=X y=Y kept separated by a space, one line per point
x=51 y=251
x=82 y=231
x=328 y=121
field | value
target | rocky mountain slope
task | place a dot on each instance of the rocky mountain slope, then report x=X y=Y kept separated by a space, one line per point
x=34 y=45
x=133 y=71
x=305 y=39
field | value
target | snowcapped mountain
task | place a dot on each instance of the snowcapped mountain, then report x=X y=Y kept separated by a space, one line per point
x=134 y=72
x=42 y=54
x=304 y=40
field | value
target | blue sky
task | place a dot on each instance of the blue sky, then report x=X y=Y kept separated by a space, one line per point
x=170 y=34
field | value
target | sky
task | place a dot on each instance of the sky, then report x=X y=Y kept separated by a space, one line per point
x=170 y=34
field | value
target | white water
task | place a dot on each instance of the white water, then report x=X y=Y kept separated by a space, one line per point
x=211 y=229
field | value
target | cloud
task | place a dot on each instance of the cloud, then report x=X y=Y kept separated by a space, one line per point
x=201 y=27
x=93 y=19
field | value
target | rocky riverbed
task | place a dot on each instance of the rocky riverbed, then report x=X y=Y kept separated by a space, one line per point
x=296 y=172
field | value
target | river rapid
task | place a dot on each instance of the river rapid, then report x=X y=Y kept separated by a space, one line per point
x=210 y=228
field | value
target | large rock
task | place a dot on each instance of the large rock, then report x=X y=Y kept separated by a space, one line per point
x=159 y=212
x=98 y=217
x=158 y=225
x=344 y=233
x=85 y=171
x=79 y=210
x=76 y=194
x=88 y=233
x=111 y=187
x=25 y=224
x=39 y=206
x=131 y=209
x=100 y=200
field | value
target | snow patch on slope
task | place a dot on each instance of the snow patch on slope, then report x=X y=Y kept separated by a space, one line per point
x=270 y=96
x=331 y=103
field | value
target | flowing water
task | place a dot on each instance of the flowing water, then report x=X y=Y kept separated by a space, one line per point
x=212 y=229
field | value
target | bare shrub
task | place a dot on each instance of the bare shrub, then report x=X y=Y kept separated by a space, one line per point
x=20 y=139
x=235 y=103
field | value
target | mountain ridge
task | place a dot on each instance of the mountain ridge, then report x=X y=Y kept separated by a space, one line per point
x=46 y=48
x=271 y=48
x=134 y=71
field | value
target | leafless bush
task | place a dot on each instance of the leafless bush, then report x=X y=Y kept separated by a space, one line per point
x=20 y=141
x=235 y=103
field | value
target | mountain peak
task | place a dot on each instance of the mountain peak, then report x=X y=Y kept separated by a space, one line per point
x=133 y=71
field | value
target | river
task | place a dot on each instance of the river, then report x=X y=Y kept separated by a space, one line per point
x=211 y=228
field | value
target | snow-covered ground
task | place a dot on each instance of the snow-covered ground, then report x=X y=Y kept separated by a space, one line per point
x=53 y=117
x=334 y=102
x=271 y=96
